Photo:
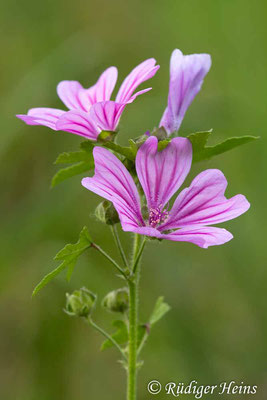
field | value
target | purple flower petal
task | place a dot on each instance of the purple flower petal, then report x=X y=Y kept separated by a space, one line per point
x=79 y=123
x=186 y=77
x=113 y=182
x=162 y=173
x=75 y=97
x=202 y=236
x=139 y=74
x=69 y=93
x=204 y=203
x=103 y=88
x=107 y=114
x=42 y=116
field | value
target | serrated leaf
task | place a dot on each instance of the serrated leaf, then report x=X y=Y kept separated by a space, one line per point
x=160 y=309
x=202 y=152
x=71 y=171
x=47 y=278
x=69 y=256
x=120 y=335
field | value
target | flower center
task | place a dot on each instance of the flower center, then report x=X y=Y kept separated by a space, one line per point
x=157 y=216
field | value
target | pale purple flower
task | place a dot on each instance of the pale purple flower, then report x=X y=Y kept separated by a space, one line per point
x=91 y=110
x=161 y=174
x=186 y=77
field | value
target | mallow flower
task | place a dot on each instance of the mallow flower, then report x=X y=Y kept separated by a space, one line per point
x=91 y=110
x=187 y=73
x=161 y=174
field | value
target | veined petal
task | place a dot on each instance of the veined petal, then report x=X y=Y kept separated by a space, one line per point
x=204 y=203
x=69 y=93
x=202 y=236
x=113 y=182
x=161 y=173
x=79 y=123
x=103 y=88
x=42 y=116
x=139 y=74
x=107 y=114
x=186 y=77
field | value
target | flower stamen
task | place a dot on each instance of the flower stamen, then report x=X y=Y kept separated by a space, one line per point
x=157 y=216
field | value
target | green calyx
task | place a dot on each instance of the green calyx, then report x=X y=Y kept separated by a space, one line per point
x=117 y=301
x=80 y=303
x=106 y=213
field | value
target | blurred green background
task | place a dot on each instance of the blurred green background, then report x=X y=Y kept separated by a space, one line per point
x=217 y=328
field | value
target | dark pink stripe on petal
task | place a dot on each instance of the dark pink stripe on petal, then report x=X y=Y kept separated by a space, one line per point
x=204 y=202
x=162 y=173
x=107 y=114
x=139 y=74
x=187 y=73
x=79 y=123
x=202 y=236
x=42 y=116
x=113 y=182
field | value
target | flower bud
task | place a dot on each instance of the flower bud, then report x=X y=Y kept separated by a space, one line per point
x=106 y=213
x=117 y=300
x=80 y=303
x=160 y=133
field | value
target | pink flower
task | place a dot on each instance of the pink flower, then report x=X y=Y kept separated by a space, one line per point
x=186 y=77
x=91 y=110
x=161 y=174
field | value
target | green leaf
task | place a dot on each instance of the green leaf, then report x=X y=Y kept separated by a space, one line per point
x=69 y=256
x=141 y=332
x=202 y=152
x=160 y=309
x=71 y=171
x=82 y=161
x=72 y=157
x=120 y=335
x=124 y=151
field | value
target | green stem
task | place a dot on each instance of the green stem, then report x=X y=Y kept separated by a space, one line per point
x=132 y=358
x=116 y=265
x=119 y=245
x=107 y=336
x=138 y=256
x=133 y=318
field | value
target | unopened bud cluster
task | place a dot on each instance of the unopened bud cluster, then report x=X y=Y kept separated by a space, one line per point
x=117 y=301
x=80 y=303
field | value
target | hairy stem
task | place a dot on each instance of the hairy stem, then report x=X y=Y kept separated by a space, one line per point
x=119 y=245
x=110 y=259
x=107 y=336
x=133 y=318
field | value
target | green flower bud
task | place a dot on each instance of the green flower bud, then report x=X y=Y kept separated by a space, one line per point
x=106 y=213
x=80 y=303
x=160 y=133
x=117 y=300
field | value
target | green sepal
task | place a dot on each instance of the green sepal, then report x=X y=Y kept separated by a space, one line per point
x=106 y=213
x=117 y=301
x=80 y=303
x=69 y=256
x=106 y=136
